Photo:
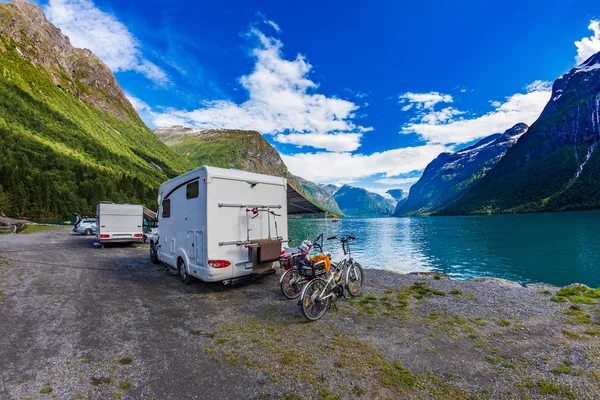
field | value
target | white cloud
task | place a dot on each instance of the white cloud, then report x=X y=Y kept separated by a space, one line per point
x=423 y=100
x=588 y=46
x=440 y=127
x=397 y=181
x=102 y=33
x=330 y=167
x=269 y=22
x=331 y=142
x=282 y=100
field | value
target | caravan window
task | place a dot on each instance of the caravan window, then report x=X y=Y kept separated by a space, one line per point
x=191 y=190
x=166 y=208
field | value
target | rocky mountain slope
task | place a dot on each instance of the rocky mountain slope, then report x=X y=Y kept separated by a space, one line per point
x=330 y=188
x=358 y=202
x=451 y=175
x=555 y=165
x=320 y=194
x=69 y=136
x=230 y=148
x=399 y=196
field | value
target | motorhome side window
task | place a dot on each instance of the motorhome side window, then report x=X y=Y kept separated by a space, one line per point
x=192 y=189
x=166 y=208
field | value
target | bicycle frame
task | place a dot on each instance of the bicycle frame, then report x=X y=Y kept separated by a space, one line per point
x=344 y=263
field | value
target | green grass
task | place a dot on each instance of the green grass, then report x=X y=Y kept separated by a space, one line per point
x=592 y=331
x=545 y=291
x=578 y=294
x=571 y=334
x=577 y=316
x=125 y=360
x=563 y=370
x=125 y=385
x=550 y=388
x=46 y=390
x=36 y=228
x=503 y=322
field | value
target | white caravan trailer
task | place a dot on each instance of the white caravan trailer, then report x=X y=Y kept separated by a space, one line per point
x=220 y=224
x=119 y=223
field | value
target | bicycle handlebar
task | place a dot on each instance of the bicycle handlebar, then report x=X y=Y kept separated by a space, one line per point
x=342 y=239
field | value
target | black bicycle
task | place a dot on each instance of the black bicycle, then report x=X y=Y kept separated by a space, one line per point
x=347 y=275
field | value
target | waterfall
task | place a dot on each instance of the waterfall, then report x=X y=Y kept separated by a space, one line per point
x=595 y=119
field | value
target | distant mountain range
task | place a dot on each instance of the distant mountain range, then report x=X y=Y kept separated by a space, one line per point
x=451 y=175
x=555 y=165
x=359 y=202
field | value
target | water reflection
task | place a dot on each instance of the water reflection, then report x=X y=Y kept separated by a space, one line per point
x=558 y=248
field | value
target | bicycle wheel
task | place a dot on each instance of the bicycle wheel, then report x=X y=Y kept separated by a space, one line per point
x=312 y=308
x=354 y=279
x=291 y=284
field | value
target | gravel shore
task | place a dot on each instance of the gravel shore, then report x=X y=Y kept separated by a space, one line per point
x=81 y=322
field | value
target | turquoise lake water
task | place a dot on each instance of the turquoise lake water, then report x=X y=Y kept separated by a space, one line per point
x=555 y=248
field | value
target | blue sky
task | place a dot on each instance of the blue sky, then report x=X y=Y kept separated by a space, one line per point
x=346 y=92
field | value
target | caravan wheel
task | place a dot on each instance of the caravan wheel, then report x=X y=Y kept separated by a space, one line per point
x=183 y=274
x=153 y=254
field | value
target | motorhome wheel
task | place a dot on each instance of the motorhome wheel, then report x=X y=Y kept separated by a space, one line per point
x=183 y=274
x=153 y=254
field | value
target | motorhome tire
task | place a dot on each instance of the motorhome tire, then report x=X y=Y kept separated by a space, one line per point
x=183 y=274
x=153 y=254
x=87 y=232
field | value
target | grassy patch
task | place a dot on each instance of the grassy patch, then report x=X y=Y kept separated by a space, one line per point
x=36 y=228
x=571 y=334
x=577 y=294
x=1 y=296
x=503 y=322
x=592 y=331
x=125 y=385
x=393 y=306
x=563 y=370
x=493 y=360
x=325 y=394
x=545 y=291
x=550 y=388
x=578 y=316
x=267 y=345
x=46 y=390
x=395 y=376
x=125 y=360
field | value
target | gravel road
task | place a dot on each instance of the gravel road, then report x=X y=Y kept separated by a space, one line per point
x=79 y=322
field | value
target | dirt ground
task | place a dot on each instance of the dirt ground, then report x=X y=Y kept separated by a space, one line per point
x=79 y=322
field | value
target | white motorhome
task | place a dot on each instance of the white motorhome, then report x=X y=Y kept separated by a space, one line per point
x=220 y=224
x=119 y=223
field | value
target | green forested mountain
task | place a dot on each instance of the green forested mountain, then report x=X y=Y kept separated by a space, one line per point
x=555 y=165
x=232 y=148
x=68 y=136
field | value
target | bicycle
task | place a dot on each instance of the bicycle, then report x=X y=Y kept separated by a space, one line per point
x=292 y=281
x=317 y=295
